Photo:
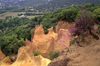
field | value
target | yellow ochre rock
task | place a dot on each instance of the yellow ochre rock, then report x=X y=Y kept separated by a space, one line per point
x=26 y=58
x=45 y=43
x=5 y=62
x=2 y=56
x=42 y=41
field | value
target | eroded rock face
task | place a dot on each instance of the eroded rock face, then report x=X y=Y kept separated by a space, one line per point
x=88 y=54
x=2 y=56
x=63 y=25
x=25 y=58
x=5 y=62
x=43 y=40
x=62 y=40
x=46 y=43
x=31 y=44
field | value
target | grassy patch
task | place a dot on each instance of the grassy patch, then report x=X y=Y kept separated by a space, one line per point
x=15 y=14
x=72 y=41
x=30 y=17
x=35 y=53
x=53 y=55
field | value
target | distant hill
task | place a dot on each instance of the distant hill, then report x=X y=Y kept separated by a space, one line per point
x=55 y=4
x=11 y=3
x=32 y=2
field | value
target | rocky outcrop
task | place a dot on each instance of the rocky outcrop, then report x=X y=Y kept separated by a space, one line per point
x=63 y=25
x=2 y=56
x=31 y=44
x=5 y=62
x=26 y=58
x=42 y=40
x=51 y=41
x=62 y=40
x=88 y=54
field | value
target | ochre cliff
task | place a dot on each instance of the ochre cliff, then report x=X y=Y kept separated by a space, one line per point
x=5 y=62
x=82 y=53
x=51 y=41
x=63 y=25
x=2 y=56
x=26 y=58
x=42 y=40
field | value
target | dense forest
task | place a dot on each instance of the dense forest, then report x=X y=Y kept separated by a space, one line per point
x=14 y=31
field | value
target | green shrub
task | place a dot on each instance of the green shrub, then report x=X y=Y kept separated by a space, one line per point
x=53 y=55
x=35 y=53
x=97 y=12
x=99 y=29
x=32 y=31
x=68 y=14
x=72 y=41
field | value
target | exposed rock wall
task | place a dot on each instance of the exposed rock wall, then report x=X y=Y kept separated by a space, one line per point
x=63 y=25
x=31 y=45
x=5 y=62
x=2 y=56
x=43 y=40
x=88 y=54
x=51 y=41
x=62 y=40
x=26 y=58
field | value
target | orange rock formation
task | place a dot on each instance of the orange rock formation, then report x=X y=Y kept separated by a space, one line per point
x=32 y=46
x=51 y=41
x=62 y=25
x=41 y=40
x=62 y=40
x=2 y=56
x=5 y=62
x=26 y=58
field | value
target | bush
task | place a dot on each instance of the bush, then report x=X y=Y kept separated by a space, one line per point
x=35 y=53
x=99 y=29
x=10 y=44
x=68 y=14
x=53 y=55
x=32 y=31
x=72 y=41
x=97 y=12
x=83 y=24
